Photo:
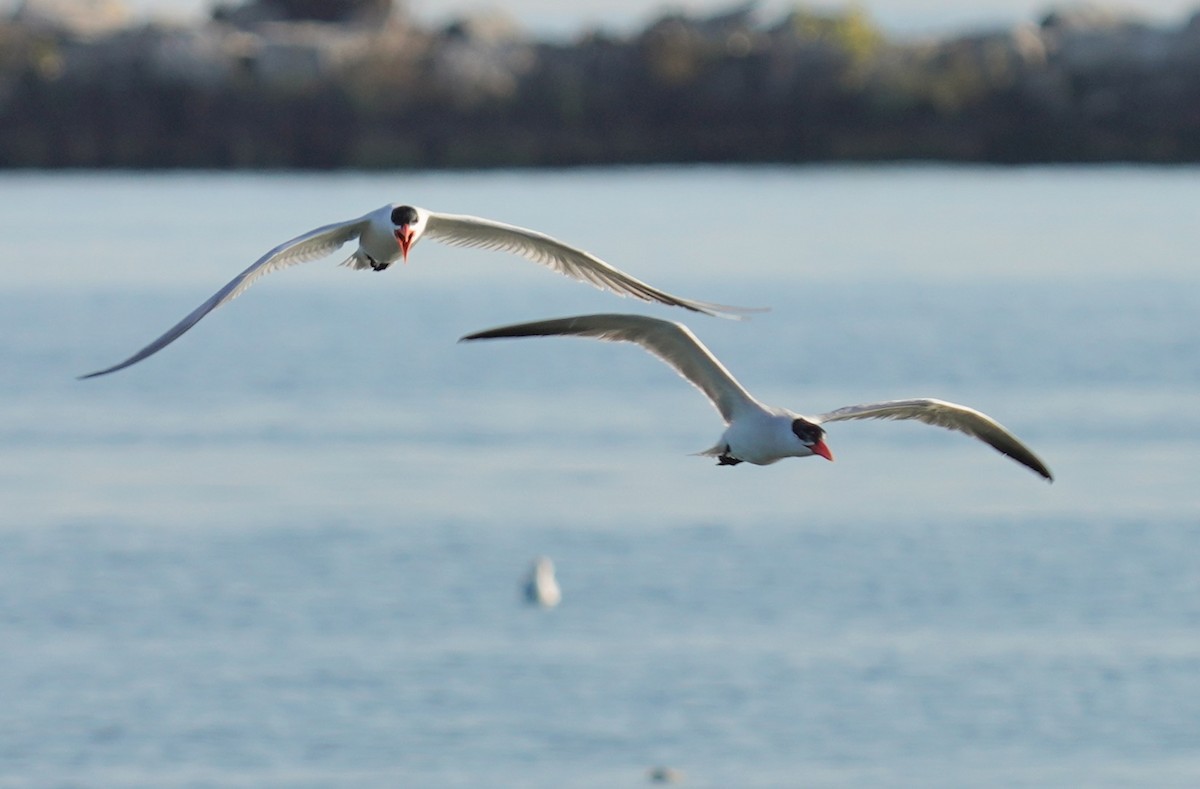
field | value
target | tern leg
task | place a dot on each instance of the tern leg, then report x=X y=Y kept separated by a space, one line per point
x=726 y=459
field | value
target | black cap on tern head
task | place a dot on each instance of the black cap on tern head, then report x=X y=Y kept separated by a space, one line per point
x=806 y=431
x=404 y=215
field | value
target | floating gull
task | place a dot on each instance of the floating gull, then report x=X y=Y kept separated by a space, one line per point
x=541 y=587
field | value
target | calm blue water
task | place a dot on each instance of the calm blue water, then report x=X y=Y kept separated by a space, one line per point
x=286 y=551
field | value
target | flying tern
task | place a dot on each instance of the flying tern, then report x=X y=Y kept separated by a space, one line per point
x=757 y=433
x=389 y=233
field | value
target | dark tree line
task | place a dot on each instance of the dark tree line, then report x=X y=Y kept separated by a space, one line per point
x=675 y=93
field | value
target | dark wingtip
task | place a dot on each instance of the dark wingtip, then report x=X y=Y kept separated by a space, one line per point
x=488 y=334
x=1039 y=468
x=105 y=371
x=1026 y=458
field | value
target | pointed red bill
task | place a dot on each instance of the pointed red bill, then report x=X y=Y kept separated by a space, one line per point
x=819 y=448
x=404 y=237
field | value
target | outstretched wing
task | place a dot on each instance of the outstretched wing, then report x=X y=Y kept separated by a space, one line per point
x=951 y=416
x=671 y=342
x=313 y=244
x=471 y=231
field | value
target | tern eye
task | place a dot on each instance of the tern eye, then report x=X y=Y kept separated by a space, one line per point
x=404 y=215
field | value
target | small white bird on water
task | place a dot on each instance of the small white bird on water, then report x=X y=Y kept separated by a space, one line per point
x=758 y=433
x=541 y=587
x=387 y=234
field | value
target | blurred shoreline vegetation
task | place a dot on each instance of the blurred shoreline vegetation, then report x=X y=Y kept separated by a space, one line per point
x=318 y=84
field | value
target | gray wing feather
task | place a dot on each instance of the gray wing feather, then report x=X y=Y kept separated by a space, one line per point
x=671 y=342
x=470 y=231
x=950 y=416
x=310 y=246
